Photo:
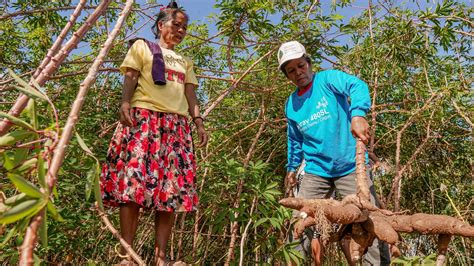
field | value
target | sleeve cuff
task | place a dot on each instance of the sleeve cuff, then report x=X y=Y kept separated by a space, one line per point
x=123 y=68
x=290 y=169
x=358 y=112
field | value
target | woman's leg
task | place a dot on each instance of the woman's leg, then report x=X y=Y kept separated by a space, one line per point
x=129 y=213
x=163 y=225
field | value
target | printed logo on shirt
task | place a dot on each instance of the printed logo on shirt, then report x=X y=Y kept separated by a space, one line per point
x=321 y=114
x=173 y=61
x=323 y=103
x=176 y=76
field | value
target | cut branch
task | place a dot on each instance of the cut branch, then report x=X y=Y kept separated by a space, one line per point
x=361 y=173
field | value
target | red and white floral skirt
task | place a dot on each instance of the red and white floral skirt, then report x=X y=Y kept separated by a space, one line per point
x=151 y=163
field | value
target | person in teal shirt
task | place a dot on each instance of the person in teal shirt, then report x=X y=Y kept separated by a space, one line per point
x=325 y=114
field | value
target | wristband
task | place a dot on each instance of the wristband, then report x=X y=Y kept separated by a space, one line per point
x=197 y=117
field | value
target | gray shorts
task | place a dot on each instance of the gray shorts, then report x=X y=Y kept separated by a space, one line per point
x=316 y=187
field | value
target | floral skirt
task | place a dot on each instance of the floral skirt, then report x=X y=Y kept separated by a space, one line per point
x=151 y=163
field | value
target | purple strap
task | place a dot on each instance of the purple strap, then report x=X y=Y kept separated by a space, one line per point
x=158 y=67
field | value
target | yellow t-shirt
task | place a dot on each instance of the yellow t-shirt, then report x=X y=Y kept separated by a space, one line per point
x=168 y=98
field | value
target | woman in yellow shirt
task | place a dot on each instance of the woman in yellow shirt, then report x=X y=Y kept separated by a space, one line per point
x=150 y=162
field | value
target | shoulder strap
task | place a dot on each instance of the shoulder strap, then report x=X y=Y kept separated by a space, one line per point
x=154 y=48
x=158 y=68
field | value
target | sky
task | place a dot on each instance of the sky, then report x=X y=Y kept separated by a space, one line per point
x=200 y=11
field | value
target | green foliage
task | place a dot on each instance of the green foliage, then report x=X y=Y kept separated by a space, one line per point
x=14 y=136
x=23 y=163
x=415 y=260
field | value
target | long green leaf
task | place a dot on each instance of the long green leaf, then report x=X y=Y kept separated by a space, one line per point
x=55 y=192
x=41 y=171
x=83 y=145
x=10 y=234
x=295 y=256
x=97 y=194
x=21 y=210
x=90 y=183
x=260 y=221
x=37 y=86
x=54 y=212
x=27 y=165
x=26 y=88
x=37 y=260
x=31 y=112
x=14 y=137
x=15 y=120
x=25 y=186
x=19 y=156
x=43 y=230
x=3 y=207
x=31 y=93
x=14 y=200
x=285 y=254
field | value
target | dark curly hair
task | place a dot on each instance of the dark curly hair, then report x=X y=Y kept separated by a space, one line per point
x=166 y=14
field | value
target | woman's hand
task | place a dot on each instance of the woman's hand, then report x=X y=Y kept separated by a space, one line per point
x=360 y=129
x=190 y=94
x=129 y=84
x=202 y=134
x=125 y=115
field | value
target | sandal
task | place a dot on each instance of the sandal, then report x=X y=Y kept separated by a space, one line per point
x=127 y=260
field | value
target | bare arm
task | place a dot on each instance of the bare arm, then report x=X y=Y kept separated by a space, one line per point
x=129 y=84
x=190 y=94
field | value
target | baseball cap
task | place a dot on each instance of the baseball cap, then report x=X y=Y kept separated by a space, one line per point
x=289 y=51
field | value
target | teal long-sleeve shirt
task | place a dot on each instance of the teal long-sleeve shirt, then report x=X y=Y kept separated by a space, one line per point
x=319 y=123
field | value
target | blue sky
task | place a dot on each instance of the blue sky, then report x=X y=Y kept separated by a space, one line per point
x=200 y=11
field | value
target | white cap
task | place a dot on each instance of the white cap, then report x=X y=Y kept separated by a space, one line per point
x=289 y=51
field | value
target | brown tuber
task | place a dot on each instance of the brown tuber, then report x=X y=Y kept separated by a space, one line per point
x=366 y=221
x=430 y=224
x=381 y=228
x=359 y=242
x=334 y=211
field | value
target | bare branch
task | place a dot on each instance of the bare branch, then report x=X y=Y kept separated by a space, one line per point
x=59 y=41
x=59 y=152
x=31 y=237
x=55 y=63
x=463 y=115
x=234 y=85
